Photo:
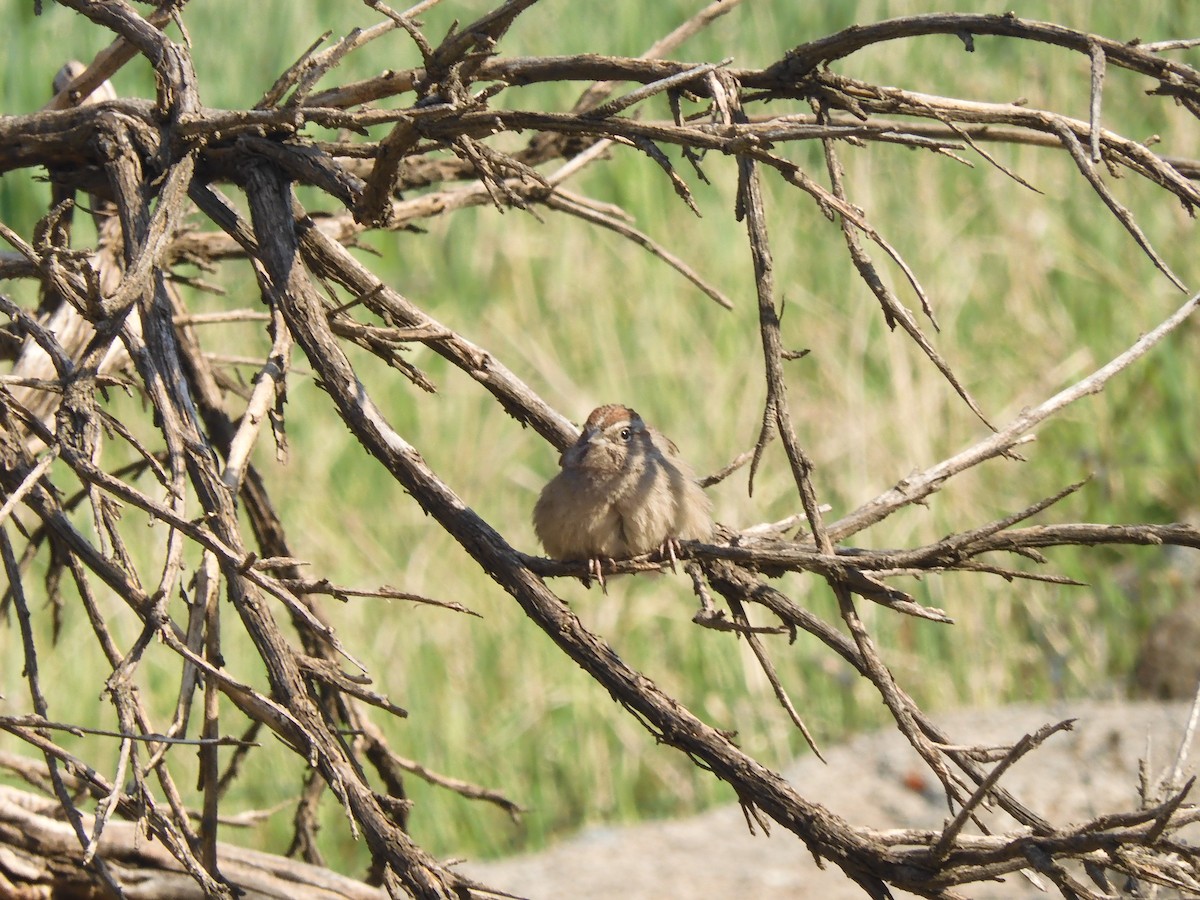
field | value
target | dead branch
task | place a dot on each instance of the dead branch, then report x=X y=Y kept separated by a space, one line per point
x=43 y=859
x=159 y=165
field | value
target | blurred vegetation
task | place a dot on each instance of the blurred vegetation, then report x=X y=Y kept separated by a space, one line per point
x=1032 y=291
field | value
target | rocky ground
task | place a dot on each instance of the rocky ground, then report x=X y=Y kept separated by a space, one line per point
x=875 y=780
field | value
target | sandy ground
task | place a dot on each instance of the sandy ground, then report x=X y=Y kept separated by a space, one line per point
x=875 y=780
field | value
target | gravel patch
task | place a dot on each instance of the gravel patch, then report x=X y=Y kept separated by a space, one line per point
x=875 y=780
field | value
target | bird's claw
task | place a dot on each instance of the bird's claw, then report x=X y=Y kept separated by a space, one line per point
x=669 y=552
x=596 y=569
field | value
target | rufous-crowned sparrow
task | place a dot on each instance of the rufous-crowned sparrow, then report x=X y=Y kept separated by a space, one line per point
x=622 y=491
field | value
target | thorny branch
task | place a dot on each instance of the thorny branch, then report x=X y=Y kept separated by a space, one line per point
x=151 y=165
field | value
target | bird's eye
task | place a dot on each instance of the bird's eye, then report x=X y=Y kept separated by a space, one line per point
x=626 y=434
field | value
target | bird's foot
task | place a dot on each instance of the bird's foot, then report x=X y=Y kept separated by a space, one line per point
x=596 y=570
x=669 y=552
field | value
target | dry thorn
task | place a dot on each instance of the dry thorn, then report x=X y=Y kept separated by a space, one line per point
x=1124 y=216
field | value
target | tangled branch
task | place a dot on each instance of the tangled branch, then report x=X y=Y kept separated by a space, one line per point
x=114 y=315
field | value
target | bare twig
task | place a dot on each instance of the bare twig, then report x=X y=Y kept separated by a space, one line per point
x=392 y=152
x=922 y=484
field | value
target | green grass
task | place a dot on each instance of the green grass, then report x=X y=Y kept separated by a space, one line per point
x=1032 y=292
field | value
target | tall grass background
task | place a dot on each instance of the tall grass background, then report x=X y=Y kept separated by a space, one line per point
x=1032 y=292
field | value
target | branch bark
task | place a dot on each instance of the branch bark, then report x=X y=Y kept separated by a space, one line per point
x=155 y=160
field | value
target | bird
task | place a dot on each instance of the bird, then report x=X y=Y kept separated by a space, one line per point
x=622 y=491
